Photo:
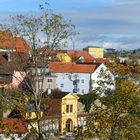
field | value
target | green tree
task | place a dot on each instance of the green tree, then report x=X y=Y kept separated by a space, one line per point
x=87 y=100
x=118 y=116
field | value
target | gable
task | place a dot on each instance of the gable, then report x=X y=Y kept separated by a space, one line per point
x=71 y=96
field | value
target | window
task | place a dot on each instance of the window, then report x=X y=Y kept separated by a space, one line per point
x=83 y=91
x=93 y=81
x=29 y=114
x=82 y=81
x=69 y=108
x=40 y=84
x=61 y=85
x=49 y=80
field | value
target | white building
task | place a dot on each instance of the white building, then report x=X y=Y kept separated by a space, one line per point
x=80 y=78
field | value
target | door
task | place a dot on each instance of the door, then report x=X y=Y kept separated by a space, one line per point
x=69 y=125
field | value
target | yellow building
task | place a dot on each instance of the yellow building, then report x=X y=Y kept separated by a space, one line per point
x=95 y=51
x=32 y=115
x=61 y=115
x=63 y=107
x=69 y=112
x=74 y=56
x=63 y=57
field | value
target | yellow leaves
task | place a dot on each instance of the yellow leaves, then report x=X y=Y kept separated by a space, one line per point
x=125 y=69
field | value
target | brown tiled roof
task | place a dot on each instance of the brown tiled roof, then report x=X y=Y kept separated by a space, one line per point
x=13 y=125
x=58 y=94
x=77 y=54
x=59 y=67
x=7 y=41
x=55 y=94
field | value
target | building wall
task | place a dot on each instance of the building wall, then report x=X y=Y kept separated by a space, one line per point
x=32 y=115
x=81 y=121
x=68 y=100
x=50 y=124
x=63 y=57
x=95 y=52
x=57 y=117
x=65 y=82
x=17 y=79
x=46 y=82
x=97 y=76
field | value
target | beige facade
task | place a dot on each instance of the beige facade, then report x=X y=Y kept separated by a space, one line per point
x=46 y=82
x=69 y=113
x=62 y=115
x=96 y=52
x=64 y=108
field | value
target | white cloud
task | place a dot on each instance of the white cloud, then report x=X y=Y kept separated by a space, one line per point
x=105 y=44
x=121 y=21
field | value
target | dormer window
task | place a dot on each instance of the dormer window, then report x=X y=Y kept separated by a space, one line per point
x=81 y=58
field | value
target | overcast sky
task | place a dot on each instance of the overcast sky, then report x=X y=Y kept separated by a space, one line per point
x=106 y=23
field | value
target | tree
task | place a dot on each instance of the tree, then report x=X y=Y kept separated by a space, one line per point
x=87 y=100
x=118 y=115
x=56 y=30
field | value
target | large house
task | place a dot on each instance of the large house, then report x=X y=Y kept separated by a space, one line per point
x=65 y=114
x=12 y=128
x=10 y=75
x=9 y=43
x=64 y=109
x=95 y=51
x=78 y=78
x=74 y=56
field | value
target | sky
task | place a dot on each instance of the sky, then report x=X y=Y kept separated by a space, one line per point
x=105 y=23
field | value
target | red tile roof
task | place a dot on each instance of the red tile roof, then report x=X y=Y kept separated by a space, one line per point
x=7 y=41
x=77 y=54
x=100 y=60
x=13 y=125
x=59 y=67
